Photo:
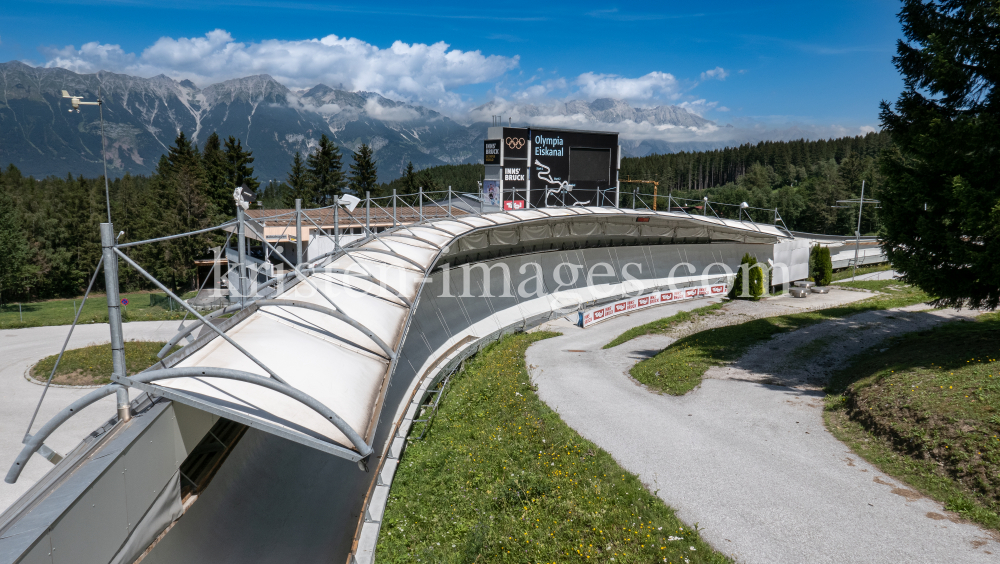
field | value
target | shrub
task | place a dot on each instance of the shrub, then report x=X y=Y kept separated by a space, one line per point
x=758 y=278
x=820 y=265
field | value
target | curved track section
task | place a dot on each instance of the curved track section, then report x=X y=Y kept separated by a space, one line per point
x=291 y=490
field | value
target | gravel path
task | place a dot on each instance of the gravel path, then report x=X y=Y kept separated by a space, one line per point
x=746 y=455
x=741 y=311
x=881 y=275
x=19 y=349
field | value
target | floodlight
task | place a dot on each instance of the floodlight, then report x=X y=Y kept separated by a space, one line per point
x=744 y=205
x=243 y=196
x=349 y=201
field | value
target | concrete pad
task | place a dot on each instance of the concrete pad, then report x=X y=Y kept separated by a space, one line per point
x=836 y=297
x=19 y=349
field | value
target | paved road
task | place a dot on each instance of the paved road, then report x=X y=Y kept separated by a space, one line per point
x=752 y=463
x=19 y=349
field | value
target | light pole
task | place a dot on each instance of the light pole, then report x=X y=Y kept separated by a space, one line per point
x=857 y=233
x=77 y=102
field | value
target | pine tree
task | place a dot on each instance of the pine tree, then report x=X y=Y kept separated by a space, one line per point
x=187 y=207
x=326 y=174
x=364 y=173
x=941 y=201
x=274 y=195
x=238 y=170
x=298 y=184
x=409 y=180
x=13 y=248
x=216 y=175
x=940 y=208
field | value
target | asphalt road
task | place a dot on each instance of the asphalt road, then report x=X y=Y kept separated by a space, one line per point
x=751 y=463
x=19 y=349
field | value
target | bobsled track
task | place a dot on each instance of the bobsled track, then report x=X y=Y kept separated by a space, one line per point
x=273 y=436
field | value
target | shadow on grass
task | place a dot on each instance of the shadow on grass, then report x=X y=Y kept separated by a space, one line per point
x=680 y=367
x=927 y=410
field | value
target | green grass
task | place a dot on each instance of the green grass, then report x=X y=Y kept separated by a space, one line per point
x=500 y=478
x=662 y=325
x=91 y=366
x=847 y=273
x=927 y=411
x=679 y=368
x=142 y=306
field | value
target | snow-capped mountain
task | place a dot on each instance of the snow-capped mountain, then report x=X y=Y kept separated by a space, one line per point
x=142 y=116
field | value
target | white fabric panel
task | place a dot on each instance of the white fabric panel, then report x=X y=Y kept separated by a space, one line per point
x=584 y=228
x=618 y=229
x=334 y=374
x=560 y=229
x=691 y=232
x=655 y=231
x=506 y=236
x=535 y=232
x=719 y=235
x=474 y=241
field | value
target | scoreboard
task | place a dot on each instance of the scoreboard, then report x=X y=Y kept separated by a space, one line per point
x=552 y=167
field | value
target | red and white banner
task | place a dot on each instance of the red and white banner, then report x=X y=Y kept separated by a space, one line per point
x=592 y=316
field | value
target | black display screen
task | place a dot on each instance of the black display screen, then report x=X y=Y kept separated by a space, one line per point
x=589 y=165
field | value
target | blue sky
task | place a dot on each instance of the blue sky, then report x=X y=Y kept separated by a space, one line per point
x=771 y=64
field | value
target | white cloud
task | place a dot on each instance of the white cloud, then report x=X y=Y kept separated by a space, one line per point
x=717 y=73
x=398 y=113
x=416 y=71
x=866 y=129
x=655 y=85
x=698 y=107
x=541 y=91
x=328 y=109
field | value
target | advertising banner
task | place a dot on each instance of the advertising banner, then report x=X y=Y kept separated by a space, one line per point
x=592 y=316
x=515 y=143
x=491 y=192
x=513 y=205
x=491 y=151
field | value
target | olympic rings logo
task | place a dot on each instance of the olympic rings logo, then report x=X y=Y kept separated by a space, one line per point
x=515 y=143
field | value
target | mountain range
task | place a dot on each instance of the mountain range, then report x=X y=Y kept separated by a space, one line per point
x=42 y=135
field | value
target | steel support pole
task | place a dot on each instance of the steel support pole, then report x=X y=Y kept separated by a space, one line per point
x=114 y=305
x=241 y=246
x=336 y=223
x=368 y=211
x=298 y=231
x=857 y=233
x=124 y=408
x=449 y=201
x=394 y=207
x=420 y=208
